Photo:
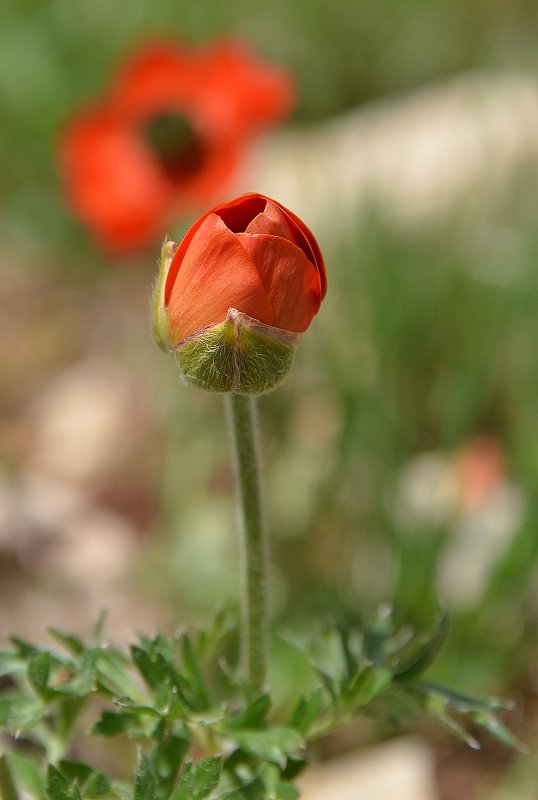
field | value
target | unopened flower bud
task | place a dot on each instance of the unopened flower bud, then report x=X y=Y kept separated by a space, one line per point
x=233 y=297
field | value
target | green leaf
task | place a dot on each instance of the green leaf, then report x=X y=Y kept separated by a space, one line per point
x=456 y=729
x=252 y=717
x=20 y=713
x=286 y=791
x=155 y=671
x=495 y=728
x=367 y=684
x=273 y=744
x=269 y=776
x=67 y=715
x=376 y=637
x=113 y=675
x=436 y=706
x=99 y=626
x=122 y=791
x=193 y=674
x=167 y=648
x=306 y=711
x=84 y=681
x=24 y=649
x=11 y=663
x=115 y=723
x=72 y=643
x=98 y=786
x=38 y=673
x=75 y=771
x=199 y=779
x=438 y=699
x=57 y=786
x=463 y=702
x=26 y=774
x=210 y=718
x=93 y=784
x=211 y=640
x=8 y=790
x=134 y=708
x=423 y=656
x=294 y=766
x=329 y=683
x=167 y=757
x=146 y=780
x=350 y=658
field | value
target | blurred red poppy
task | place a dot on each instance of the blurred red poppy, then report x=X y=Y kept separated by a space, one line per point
x=167 y=137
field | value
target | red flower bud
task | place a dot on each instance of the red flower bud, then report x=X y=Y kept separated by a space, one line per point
x=247 y=264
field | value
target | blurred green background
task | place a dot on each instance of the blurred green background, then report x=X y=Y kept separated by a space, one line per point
x=426 y=345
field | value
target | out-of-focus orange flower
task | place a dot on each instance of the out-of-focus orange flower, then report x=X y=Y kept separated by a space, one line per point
x=480 y=469
x=166 y=137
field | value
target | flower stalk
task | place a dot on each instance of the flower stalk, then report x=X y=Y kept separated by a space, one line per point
x=242 y=413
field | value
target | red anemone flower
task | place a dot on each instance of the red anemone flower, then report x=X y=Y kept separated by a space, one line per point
x=167 y=137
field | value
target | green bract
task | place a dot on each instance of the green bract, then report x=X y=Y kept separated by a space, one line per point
x=240 y=355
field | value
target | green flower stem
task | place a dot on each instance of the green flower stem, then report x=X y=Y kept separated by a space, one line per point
x=243 y=426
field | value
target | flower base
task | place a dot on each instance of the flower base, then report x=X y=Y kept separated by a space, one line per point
x=239 y=355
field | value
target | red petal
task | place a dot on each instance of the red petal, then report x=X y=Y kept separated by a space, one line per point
x=242 y=93
x=242 y=208
x=226 y=90
x=307 y=242
x=159 y=76
x=290 y=279
x=112 y=183
x=272 y=220
x=235 y=211
x=214 y=274
x=238 y=214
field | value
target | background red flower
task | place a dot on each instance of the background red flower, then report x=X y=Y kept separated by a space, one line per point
x=166 y=137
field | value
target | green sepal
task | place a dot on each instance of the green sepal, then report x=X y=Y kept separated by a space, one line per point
x=239 y=355
x=161 y=325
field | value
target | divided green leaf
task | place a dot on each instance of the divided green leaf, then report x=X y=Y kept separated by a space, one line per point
x=146 y=780
x=273 y=744
x=307 y=709
x=199 y=779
